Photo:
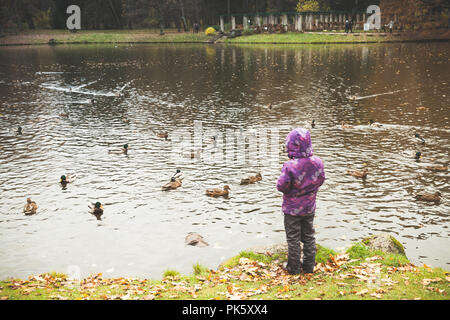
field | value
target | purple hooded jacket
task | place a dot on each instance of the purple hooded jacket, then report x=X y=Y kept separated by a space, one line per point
x=301 y=176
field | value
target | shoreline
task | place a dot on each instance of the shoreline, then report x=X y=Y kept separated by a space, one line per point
x=60 y=37
x=360 y=273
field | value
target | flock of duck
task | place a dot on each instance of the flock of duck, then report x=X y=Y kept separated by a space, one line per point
x=176 y=180
x=422 y=195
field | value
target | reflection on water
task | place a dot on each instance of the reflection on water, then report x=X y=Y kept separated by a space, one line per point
x=75 y=103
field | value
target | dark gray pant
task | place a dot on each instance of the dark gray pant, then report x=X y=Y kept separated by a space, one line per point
x=300 y=228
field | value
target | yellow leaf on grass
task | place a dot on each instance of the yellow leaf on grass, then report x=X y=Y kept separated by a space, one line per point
x=427 y=268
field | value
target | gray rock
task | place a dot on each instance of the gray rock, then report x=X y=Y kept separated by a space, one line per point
x=195 y=239
x=384 y=242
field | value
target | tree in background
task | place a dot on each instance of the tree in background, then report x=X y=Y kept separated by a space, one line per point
x=416 y=14
x=183 y=18
x=308 y=5
x=18 y=15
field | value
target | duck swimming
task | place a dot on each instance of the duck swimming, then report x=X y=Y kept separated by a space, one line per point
x=359 y=174
x=429 y=197
x=251 y=180
x=375 y=124
x=419 y=139
x=437 y=168
x=19 y=130
x=30 y=208
x=218 y=192
x=175 y=181
x=163 y=134
x=64 y=180
x=96 y=210
x=418 y=155
x=124 y=150
x=313 y=123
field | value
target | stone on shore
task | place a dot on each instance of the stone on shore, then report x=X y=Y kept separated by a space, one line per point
x=196 y=240
x=384 y=242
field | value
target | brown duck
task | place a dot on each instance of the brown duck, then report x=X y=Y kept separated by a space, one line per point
x=429 y=197
x=359 y=174
x=163 y=134
x=218 y=192
x=437 y=168
x=253 y=179
x=30 y=208
x=175 y=181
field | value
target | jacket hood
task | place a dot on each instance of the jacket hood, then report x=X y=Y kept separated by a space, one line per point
x=298 y=144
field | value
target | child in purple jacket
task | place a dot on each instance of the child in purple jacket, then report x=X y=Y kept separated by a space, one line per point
x=300 y=179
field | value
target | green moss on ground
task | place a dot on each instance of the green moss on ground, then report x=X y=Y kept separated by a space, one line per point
x=398 y=245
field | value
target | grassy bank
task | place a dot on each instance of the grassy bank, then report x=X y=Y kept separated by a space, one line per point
x=357 y=274
x=339 y=37
x=291 y=37
x=100 y=36
x=34 y=37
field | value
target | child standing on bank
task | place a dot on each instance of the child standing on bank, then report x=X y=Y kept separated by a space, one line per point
x=300 y=179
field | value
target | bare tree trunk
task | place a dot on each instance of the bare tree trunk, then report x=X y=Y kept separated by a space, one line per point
x=161 y=17
x=197 y=19
x=18 y=18
x=183 y=18
x=114 y=13
x=127 y=9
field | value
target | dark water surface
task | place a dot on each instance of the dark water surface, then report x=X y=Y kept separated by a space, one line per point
x=168 y=87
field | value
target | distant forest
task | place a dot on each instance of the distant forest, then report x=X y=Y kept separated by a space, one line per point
x=19 y=15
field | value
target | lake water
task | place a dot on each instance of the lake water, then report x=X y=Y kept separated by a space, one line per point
x=167 y=88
